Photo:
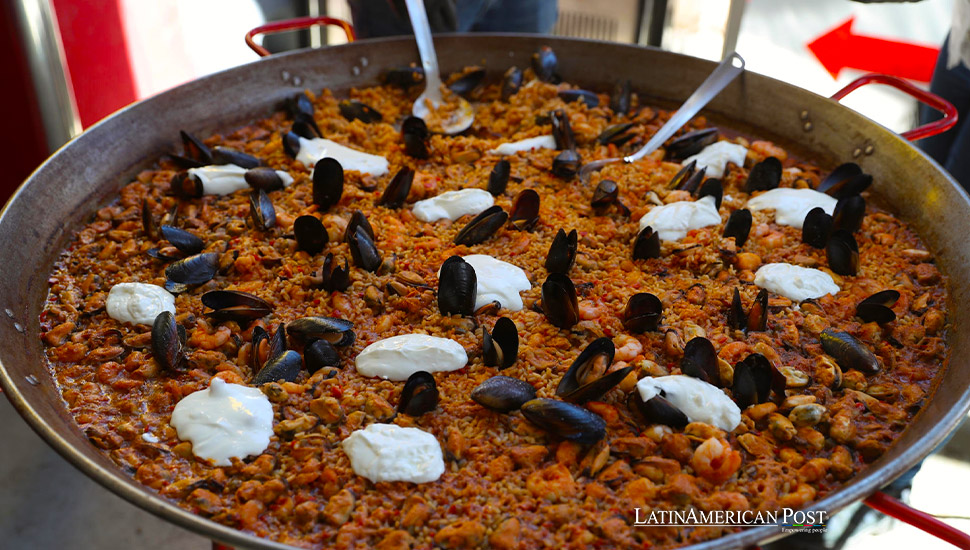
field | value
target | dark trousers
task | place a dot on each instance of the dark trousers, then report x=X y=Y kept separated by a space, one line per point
x=951 y=148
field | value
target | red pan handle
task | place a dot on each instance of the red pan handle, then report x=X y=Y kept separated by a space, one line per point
x=921 y=520
x=930 y=129
x=292 y=25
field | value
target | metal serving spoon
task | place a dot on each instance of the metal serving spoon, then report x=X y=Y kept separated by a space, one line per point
x=463 y=116
x=726 y=71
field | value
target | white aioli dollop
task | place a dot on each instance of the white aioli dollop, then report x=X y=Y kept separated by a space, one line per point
x=452 y=205
x=700 y=401
x=715 y=157
x=795 y=282
x=497 y=281
x=312 y=150
x=225 y=420
x=138 y=303
x=792 y=205
x=223 y=179
x=388 y=452
x=528 y=144
x=398 y=357
x=673 y=221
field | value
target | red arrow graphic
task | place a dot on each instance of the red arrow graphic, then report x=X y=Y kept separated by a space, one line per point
x=840 y=49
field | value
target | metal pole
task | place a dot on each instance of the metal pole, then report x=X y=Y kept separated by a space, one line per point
x=733 y=28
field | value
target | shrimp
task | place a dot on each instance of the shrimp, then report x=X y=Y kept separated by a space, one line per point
x=627 y=348
x=715 y=460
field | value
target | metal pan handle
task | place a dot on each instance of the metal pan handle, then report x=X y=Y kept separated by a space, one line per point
x=921 y=520
x=292 y=25
x=930 y=129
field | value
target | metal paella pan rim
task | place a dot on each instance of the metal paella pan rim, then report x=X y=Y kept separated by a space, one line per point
x=87 y=171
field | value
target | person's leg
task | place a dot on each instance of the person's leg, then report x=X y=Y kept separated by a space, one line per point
x=531 y=16
x=948 y=148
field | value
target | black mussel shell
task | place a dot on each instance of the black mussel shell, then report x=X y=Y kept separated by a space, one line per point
x=195 y=149
x=589 y=98
x=352 y=110
x=511 y=82
x=848 y=351
x=186 y=186
x=420 y=394
x=566 y=164
x=736 y=319
x=482 y=226
x=358 y=219
x=758 y=314
x=606 y=193
x=291 y=144
x=468 y=82
x=261 y=210
x=415 y=134
x=764 y=176
x=364 y=251
x=167 y=342
x=752 y=380
x=175 y=288
x=334 y=330
x=616 y=134
x=843 y=253
x=690 y=144
x=642 y=313
x=848 y=214
x=300 y=104
x=498 y=178
x=310 y=234
x=224 y=155
x=457 y=287
x=738 y=226
x=878 y=307
x=562 y=132
x=328 y=182
x=647 y=244
x=319 y=354
x=562 y=252
x=620 y=98
x=233 y=305
x=685 y=173
x=524 y=213
x=566 y=420
x=700 y=361
x=397 y=191
x=285 y=366
x=503 y=393
x=305 y=127
x=277 y=344
x=263 y=179
x=403 y=77
x=181 y=239
x=259 y=336
x=657 y=410
x=335 y=278
x=713 y=188
x=693 y=182
x=559 y=301
x=545 y=65
x=501 y=347
x=587 y=379
x=148 y=223
x=846 y=180
x=816 y=228
x=194 y=270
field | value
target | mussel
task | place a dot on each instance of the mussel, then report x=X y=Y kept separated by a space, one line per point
x=503 y=393
x=607 y=193
x=589 y=98
x=562 y=252
x=511 y=82
x=277 y=344
x=415 y=134
x=756 y=320
x=753 y=380
x=333 y=277
x=700 y=361
x=233 y=305
x=457 y=287
x=148 y=223
x=846 y=180
x=482 y=226
x=690 y=144
x=816 y=228
x=403 y=77
x=261 y=210
x=587 y=379
x=291 y=144
x=711 y=188
x=186 y=186
x=194 y=149
x=364 y=251
x=545 y=64
x=764 y=176
x=319 y=354
x=566 y=420
x=642 y=313
x=352 y=110
x=259 y=335
x=559 y=302
x=617 y=134
x=420 y=394
x=358 y=219
x=848 y=351
x=168 y=339
x=285 y=366
x=301 y=108
x=264 y=179
x=181 y=239
x=328 y=182
x=738 y=226
x=647 y=244
x=337 y=331
x=843 y=253
x=849 y=213
x=687 y=177
x=498 y=178
x=469 y=81
x=305 y=126
x=194 y=270
x=620 y=98
x=501 y=347
x=524 y=213
x=397 y=191
x=657 y=410
x=224 y=155
x=311 y=235
x=878 y=307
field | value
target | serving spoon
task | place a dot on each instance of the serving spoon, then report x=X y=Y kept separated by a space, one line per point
x=729 y=68
x=463 y=116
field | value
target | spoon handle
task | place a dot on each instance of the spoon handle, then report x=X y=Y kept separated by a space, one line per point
x=725 y=72
x=429 y=60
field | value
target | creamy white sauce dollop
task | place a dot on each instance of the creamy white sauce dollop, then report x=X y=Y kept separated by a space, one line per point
x=398 y=357
x=795 y=282
x=673 y=221
x=792 y=205
x=528 y=144
x=388 y=452
x=312 y=150
x=715 y=157
x=225 y=420
x=452 y=205
x=497 y=281
x=700 y=401
x=138 y=303
x=223 y=179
